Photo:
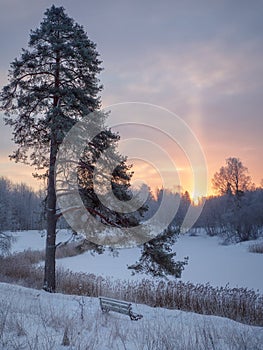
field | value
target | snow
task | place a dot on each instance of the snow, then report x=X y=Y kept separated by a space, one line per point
x=209 y=260
x=34 y=240
x=33 y=319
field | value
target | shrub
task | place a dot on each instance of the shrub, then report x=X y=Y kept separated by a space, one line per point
x=256 y=248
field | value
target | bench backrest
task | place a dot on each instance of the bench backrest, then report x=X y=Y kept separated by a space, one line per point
x=108 y=304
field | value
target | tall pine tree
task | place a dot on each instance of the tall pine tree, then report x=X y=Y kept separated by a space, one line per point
x=51 y=86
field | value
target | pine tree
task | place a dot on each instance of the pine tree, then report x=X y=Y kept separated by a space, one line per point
x=51 y=86
x=157 y=257
x=119 y=181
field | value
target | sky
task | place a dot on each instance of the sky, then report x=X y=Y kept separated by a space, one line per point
x=200 y=61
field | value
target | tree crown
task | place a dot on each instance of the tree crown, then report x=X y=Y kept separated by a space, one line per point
x=51 y=86
x=232 y=178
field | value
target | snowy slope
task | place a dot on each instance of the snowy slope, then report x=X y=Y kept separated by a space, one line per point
x=209 y=261
x=33 y=319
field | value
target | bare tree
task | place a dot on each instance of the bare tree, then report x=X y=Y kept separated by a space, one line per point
x=232 y=178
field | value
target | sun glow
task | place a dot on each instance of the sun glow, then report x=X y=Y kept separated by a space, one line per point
x=147 y=174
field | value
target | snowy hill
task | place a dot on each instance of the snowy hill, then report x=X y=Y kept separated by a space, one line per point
x=33 y=319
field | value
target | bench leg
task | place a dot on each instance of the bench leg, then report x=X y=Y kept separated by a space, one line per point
x=135 y=317
x=105 y=310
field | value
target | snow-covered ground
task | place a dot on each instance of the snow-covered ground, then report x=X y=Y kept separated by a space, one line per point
x=209 y=261
x=34 y=240
x=33 y=319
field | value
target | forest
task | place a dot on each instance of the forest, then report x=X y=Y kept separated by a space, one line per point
x=235 y=218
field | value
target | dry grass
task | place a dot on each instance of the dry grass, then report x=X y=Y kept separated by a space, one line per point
x=239 y=304
x=35 y=326
x=256 y=248
x=20 y=268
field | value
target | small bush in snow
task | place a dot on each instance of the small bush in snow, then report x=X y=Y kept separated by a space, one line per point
x=5 y=243
x=256 y=248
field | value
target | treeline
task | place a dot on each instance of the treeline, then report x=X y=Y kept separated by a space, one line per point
x=21 y=208
x=236 y=217
x=176 y=203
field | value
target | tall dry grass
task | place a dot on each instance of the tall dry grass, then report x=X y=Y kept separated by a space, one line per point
x=36 y=323
x=256 y=248
x=239 y=304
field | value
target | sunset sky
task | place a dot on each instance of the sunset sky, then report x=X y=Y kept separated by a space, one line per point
x=200 y=60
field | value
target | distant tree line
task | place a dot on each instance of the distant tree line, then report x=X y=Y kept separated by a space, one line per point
x=178 y=201
x=234 y=219
x=236 y=213
x=21 y=208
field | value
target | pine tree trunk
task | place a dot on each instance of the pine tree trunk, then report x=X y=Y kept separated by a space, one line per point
x=50 y=260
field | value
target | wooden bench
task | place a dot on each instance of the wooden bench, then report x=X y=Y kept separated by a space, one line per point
x=122 y=307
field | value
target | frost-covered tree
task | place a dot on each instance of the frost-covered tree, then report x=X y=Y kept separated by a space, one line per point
x=5 y=243
x=234 y=220
x=20 y=207
x=185 y=202
x=51 y=86
x=232 y=178
x=237 y=213
x=233 y=181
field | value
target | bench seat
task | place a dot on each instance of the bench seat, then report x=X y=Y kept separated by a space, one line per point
x=122 y=307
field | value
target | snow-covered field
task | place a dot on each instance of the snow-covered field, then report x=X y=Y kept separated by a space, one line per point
x=33 y=319
x=209 y=261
